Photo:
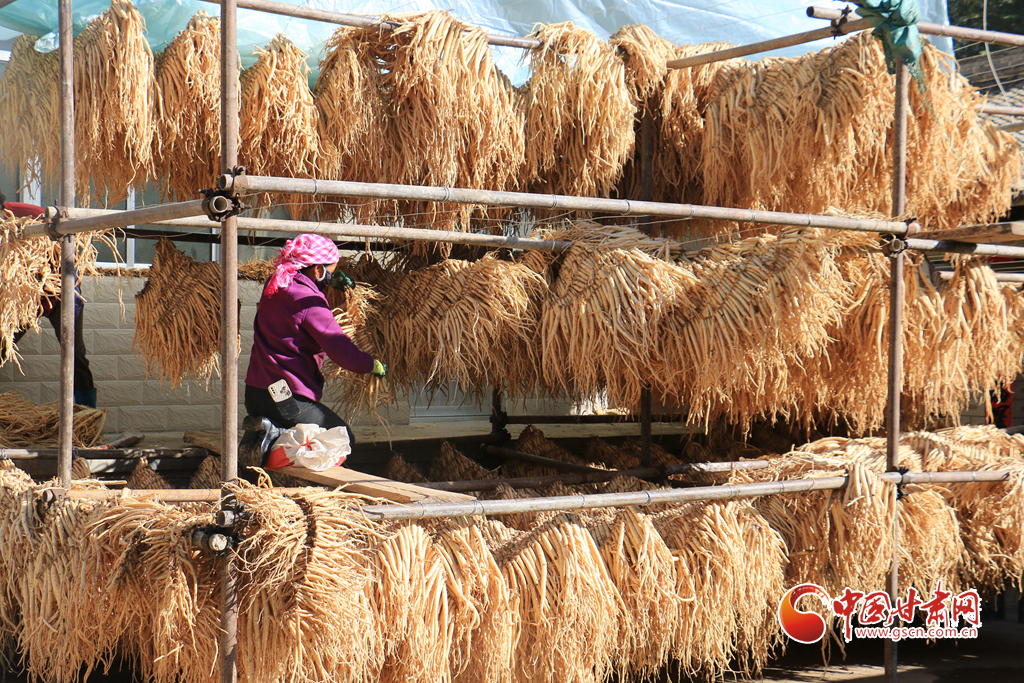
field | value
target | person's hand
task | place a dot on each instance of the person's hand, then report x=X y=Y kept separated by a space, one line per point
x=379 y=369
x=340 y=281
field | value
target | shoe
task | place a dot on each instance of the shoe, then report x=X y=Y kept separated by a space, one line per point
x=260 y=435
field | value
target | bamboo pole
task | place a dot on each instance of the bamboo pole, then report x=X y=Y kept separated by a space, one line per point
x=245 y=184
x=597 y=477
x=67 y=245
x=360 y=21
x=773 y=44
x=930 y=29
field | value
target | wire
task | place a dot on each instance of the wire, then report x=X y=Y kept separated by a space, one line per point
x=988 y=52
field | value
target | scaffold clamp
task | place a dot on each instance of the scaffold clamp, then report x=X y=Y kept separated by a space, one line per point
x=220 y=205
x=895 y=245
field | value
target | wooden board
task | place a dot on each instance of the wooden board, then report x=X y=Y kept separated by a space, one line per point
x=978 y=234
x=378 y=487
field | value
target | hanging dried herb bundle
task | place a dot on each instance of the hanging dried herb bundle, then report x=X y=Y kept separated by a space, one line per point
x=187 y=141
x=278 y=121
x=579 y=113
x=177 y=317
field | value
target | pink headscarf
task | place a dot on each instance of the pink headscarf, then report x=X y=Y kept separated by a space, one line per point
x=304 y=250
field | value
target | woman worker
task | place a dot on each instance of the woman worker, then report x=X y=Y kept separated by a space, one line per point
x=294 y=332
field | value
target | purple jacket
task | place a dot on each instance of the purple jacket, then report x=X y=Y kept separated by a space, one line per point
x=294 y=332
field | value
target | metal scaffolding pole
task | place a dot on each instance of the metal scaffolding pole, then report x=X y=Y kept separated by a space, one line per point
x=360 y=21
x=1000 y=277
x=67 y=244
x=60 y=224
x=647 y=195
x=999 y=110
x=929 y=29
x=942 y=246
x=470 y=509
x=773 y=44
x=351 y=230
x=229 y=331
x=899 y=206
x=244 y=184
x=838 y=29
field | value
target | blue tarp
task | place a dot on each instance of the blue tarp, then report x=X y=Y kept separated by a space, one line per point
x=694 y=21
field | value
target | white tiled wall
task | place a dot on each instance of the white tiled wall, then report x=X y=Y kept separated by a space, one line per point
x=132 y=400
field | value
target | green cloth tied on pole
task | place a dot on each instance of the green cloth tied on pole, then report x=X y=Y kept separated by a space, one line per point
x=896 y=22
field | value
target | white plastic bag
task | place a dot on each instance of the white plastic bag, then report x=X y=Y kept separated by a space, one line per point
x=311 y=446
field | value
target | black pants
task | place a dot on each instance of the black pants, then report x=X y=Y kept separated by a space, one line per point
x=260 y=403
x=83 y=375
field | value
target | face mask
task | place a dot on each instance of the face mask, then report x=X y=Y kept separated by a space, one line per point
x=324 y=281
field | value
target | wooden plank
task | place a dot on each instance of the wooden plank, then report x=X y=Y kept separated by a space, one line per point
x=369 y=485
x=979 y=234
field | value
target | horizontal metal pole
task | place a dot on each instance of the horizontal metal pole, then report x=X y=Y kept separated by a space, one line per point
x=160 y=495
x=773 y=44
x=358 y=21
x=245 y=184
x=945 y=477
x=540 y=460
x=347 y=230
x=556 y=503
x=930 y=29
x=1000 y=277
x=102 y=453
x=1000 y=110
x=642 y=498
x=596 y=477
x=598 y=500
x=60 y=223
x=965 y=248
x=582 y=419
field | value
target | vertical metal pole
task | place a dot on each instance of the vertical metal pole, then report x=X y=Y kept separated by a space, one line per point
x=229 y=244
x=229 y=327
x=67 y=244
x=646 y=195
x=896 y=295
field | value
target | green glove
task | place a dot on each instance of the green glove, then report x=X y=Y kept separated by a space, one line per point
x=379 y=369
x=340 y=281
